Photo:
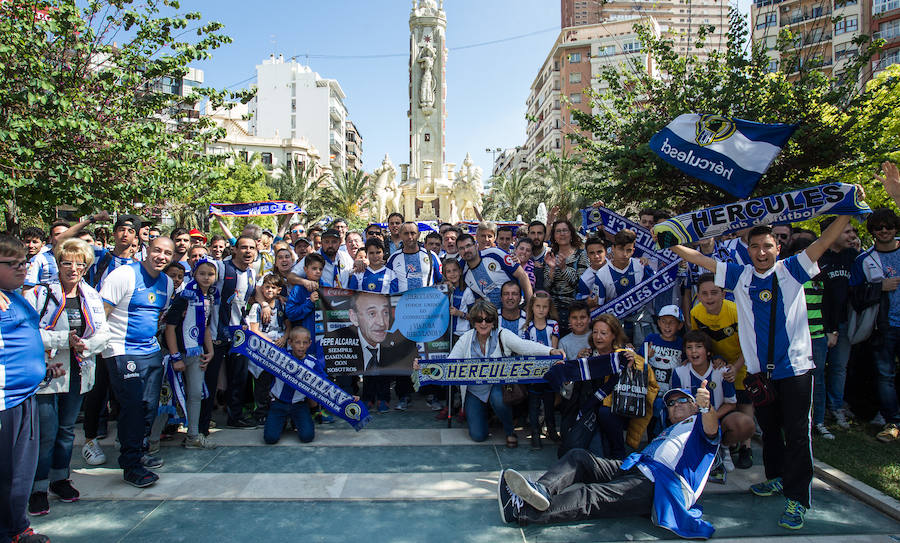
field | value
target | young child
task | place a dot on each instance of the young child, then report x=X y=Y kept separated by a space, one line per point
x=665 y=353
x=621 y=273
x=275 y=331
x=376 y=277
x=697 y=369
x=189 y=340
x=175 y=271
x=590 y=288
x=301 y=303
x=576 y=343
x=461 y=297
x=541 y=326
x=717 y=317
x=287 y=402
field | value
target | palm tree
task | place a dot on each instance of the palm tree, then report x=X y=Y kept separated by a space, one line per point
x=513 y=195
x=560 y=175
x=301 y=186
x=347 y=192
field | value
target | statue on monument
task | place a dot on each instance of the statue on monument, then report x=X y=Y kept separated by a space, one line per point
x=466 y=191
x=386 y=193
x=427 y=86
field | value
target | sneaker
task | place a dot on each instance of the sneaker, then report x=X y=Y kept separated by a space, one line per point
x=442 y=414
x=38 y=504
x=744 y=458
x=28 y=536
x=326 y=418
x=402 y=405
x=532 y=493
x=153 y=447
x=823 y=432
x=536 y=444
x=140 y=478
x=840 y=419
x=718 y=474
x=768 y=488
x=726 y=459
x=64 y=490
x=792 y=518
x=878 y=420
x=242 y=424
x=151 y=462
x=435 y=405
x=199 y=442
x=890 y=432
x=92 y=453
x=383 y=407
x=510 y=503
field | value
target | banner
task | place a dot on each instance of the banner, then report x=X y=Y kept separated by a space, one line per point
x=381 y=334
x=255 y=209
x=172 y=397
x=471 y=227
x=483 y=371
x=593 y=218
x=729 y=153
x=298 y=376
x=787 y=207
x=640 y=294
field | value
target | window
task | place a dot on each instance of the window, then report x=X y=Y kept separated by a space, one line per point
x=765 y=20
x=243 y=155
x=606 y=50
x=847 y=24
x=880 y=6
x=631 y=47
x=293 y=122
x=574 y=121
x=574 y=58
x=575 y=77
x=889 y=30
x=556 y=143
x=773 y=66
x=293 y=106
x=575 y=97
x=266 y=159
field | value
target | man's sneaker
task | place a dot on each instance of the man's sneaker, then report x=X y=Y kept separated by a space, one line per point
x=140 y=478
x=64 y=491
x=840 y=419
x=744 y=458
x=245 y=423
x=534 y=494
x=153 y=447
x=151 y=462
x=878 y=420
x=29 y=536
x=510 y=503
x=199 y=442
x=718 y=474
x=38 y=504
x=792 y=518
x=402 y=405
x=383 y=407
x=768 y=488
x=823 y=432
x=92 y=453
x=890 y=432
x=726 y=459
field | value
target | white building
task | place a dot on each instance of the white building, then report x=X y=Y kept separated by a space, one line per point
x=292 y=101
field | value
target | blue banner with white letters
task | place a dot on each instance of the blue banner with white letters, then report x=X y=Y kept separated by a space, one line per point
x=640 y=294
x=484 y=371
x=255 y=209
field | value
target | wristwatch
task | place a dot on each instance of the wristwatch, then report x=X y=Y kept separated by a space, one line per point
x=703 y=409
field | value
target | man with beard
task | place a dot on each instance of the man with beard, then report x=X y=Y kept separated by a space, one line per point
x=338 y=265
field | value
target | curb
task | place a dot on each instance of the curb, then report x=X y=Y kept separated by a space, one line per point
x=859 y=490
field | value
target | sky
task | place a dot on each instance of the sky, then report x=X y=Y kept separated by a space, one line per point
x=496 y=48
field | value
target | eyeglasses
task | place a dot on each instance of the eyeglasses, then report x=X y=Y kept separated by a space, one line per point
x=478 y=320
x=15 y=264
x=881 y=227
x=72 y=265
x=782 y=236
x=152 y=236
x=297 y=231
x=683 y=399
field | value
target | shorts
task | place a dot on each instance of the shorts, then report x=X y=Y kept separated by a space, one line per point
x=743 y=398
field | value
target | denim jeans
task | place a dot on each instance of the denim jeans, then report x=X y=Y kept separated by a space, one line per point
x=136 y=381
x=820 y=353
x=886 y=366
x=57 y=413
x=836 y=370
x=477 y=416
x=299 y=413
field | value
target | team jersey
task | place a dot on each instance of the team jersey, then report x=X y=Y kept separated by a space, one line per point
x=616 y=282
x=415 y=270
x=589 y=286
x=275 y=328
x=516 y=326
x=42 y=268
x=667 y=356
x=287 y=394
x=382 y=281
x=722 y=329
x=720 y=390
x=737 y=252
x=236 y=288
x=874 y=266
x=753 y=296
x=461 y=299
x=104 y=263
x=336 y=273
x=545 y=335
x=22 y=366
x=138 y=300
x=487 y=278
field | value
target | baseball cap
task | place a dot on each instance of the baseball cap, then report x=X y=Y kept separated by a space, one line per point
x=672 y=391
x=269 y=232
x=671 y=311
x=303 y=240
x=131 y=221
x=197 y=234
x=331 y=233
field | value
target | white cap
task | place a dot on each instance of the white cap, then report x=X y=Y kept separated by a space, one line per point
x=671 y=311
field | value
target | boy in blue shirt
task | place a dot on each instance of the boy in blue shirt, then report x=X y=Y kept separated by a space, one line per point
x=665 y=353
x=287 y=402
x=301 y=303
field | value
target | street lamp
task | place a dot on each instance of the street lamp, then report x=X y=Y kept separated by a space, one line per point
x=493 y=153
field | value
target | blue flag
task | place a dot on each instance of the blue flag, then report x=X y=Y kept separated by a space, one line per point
x=729 y=153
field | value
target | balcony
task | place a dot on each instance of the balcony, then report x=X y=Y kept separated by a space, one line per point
x=335 y=143
x=890 y=34
x=884 y=7
x=881 y=64
x=808 y=16
x=809 y=40
x=336 y=114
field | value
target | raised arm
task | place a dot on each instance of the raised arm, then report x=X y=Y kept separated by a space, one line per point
x=891 y=180
x=829 y=236
x=694 y=257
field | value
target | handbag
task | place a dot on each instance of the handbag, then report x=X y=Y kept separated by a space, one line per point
x=514 y=394
x=759 y=385
x=630 y=394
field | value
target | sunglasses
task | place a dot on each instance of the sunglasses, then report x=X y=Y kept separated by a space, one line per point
x=373 y=234
x=881 y=227
x=15 y=264
x=297 y=231
x=683 y=399
x=478 y=320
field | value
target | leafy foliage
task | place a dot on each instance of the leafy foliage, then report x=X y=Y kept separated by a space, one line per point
x=346 y=193
x=303 y=187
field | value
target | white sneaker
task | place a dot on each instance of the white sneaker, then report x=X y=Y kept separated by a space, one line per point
x=92 y=453
x=199 y=442
x=823 y=431
x=840 y=419
x=726 y=459
x=878 y=420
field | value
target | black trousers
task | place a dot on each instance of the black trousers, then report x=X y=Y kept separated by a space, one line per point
x=95 y=399
x=606 y=491
x=19 y=442
x=235 y=381
x=785 y=425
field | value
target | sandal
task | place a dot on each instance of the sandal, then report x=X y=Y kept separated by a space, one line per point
x=512 y=442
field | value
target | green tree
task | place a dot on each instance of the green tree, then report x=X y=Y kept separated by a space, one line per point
x=301 y=186
x=239 y=182
x=84 y=103
x=346 y=193
x=624 y=171
x=563 y=183
x=513 y=195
